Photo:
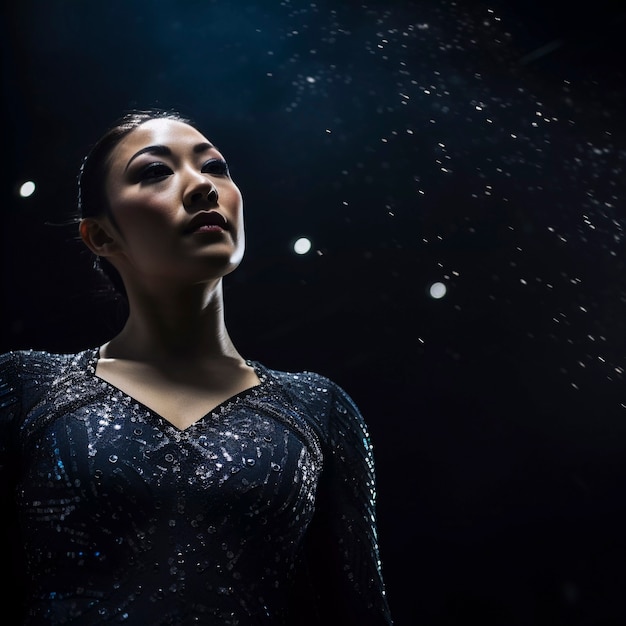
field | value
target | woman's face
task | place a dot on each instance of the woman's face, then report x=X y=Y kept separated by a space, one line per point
x=180 y=215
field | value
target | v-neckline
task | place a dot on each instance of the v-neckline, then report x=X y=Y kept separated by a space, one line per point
x=259 y=369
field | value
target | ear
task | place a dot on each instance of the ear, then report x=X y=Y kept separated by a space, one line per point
x=98 y=236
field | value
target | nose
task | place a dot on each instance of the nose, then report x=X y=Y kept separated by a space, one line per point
x=202 y=192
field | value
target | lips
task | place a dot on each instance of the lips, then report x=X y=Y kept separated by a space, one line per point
x=206 y=221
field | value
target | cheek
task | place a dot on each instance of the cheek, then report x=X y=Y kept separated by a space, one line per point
x=233 y=199
x=141 y=214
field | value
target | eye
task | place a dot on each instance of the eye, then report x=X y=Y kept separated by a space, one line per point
x=153 y=172
x=217 y=167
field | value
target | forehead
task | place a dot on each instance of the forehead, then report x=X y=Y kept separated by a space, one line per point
x=176 y=135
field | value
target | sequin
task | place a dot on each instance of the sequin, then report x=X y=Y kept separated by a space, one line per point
x=127 y=519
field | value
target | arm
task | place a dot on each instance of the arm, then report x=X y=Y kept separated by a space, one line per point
x=342 y=546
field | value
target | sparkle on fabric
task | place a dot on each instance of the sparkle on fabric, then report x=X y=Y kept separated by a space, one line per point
x=128 y=519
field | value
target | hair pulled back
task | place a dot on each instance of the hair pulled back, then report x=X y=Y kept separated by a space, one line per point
x=92 y=198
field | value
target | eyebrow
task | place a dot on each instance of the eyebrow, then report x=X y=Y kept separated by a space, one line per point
x=161 y=150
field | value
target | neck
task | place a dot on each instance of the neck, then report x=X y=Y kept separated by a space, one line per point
x=177 y=325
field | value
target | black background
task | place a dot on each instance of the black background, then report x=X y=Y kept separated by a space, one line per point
x=482 y=145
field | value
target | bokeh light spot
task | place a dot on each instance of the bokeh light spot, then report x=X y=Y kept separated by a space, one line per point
x=27 y=189
x=437 y=290
x=302 y=245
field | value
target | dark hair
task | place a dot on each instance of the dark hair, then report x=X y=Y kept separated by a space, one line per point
x=92 y=199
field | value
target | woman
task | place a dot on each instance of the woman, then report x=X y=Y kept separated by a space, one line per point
x=162 y=478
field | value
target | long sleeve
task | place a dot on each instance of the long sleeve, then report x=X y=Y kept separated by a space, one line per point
x=342 y=549
x=12 y=589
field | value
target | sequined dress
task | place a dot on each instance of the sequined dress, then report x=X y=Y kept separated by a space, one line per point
x=260 y=513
